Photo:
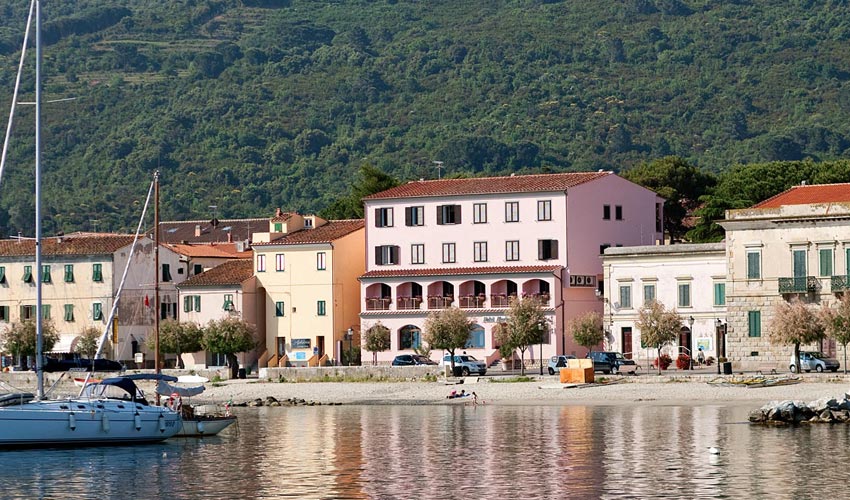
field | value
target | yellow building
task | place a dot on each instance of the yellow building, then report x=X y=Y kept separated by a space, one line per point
x=307 y=271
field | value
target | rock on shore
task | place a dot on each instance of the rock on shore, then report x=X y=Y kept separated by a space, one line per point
x=824 y=410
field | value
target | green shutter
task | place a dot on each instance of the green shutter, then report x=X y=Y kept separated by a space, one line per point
x=45 y=311
x=753 y=265
x=27 y=274
x=69 y=273
x=846 y=262
x=187 y=303
x=2 y=274
x=45 y=273
x=197 y=303
x=825 y=262
x=97 y=272
x=278 y=309
x=754 y=323
x=97 y=311
x=69 y=312
x=720 y=294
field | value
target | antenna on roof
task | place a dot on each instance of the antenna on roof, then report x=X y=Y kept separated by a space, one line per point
x=439 y=165
x=803 y=183
x=94 y=224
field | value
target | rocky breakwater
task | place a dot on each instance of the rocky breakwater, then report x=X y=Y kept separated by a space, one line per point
x=825 y=410
x=270 y=401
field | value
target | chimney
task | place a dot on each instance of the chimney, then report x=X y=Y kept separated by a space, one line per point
x=197 y=230
x=277 y=212
x=229 y=237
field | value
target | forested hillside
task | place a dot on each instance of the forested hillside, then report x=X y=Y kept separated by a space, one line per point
x=254 y=104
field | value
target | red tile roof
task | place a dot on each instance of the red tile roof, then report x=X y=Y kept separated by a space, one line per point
x=804 y=195
x=333 y=230
x=223 y=250
x=452 y=271
x=490 y=185
x=74 y=244
x=235 y=229
x=232 y=272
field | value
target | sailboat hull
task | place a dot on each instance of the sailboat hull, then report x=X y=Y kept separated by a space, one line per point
x=84 y=422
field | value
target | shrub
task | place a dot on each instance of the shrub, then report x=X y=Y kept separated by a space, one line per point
x=666 y=361
x=683 y=362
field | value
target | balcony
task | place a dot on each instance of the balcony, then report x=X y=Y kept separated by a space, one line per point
x=440 y=301
x=472 y=301
x=408 y=303
x=501 y=300
x=840 y=283
x=542 y=297
x=378 y=303
x=799 y=284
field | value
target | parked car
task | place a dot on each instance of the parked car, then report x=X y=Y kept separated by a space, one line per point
x=612 y=362
x=556 y=362
x=412 y=360
x=813 y=360
x=468 y=364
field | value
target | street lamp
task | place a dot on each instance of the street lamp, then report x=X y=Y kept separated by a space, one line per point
x=691 y=321
x=717 y=336
x=349 y=335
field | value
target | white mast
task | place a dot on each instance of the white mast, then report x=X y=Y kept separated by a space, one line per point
x=39 y=344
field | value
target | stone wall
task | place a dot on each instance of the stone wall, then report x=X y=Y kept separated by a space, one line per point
x=380 y=372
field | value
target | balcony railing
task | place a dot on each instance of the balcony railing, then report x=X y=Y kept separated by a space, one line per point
x=378 y=303
x=472 y=301
x=501 y=300
x=542 y=297
x=440 y=301
x=799 y=284
x=840 y=283
x=407 y=303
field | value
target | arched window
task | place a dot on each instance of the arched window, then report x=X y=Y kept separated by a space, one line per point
x=476 y=337
x=409 y=337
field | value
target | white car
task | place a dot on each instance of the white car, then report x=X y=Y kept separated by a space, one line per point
x=468 y=364
x=813 y=360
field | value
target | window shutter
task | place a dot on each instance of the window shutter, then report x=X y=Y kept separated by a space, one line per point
x=408 y=216
x=440 y=215
x=394 y=255
x=553 y=249
x=378 y=221
x=186 y=302
x=457 y=214
x=197 y=303
x=378 y=260
x=540 y=250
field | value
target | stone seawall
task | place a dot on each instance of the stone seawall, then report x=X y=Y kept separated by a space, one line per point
x=380 y=372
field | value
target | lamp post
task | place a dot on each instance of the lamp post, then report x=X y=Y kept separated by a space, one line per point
x=691 y=321
x=349 y=336
x=717 y=333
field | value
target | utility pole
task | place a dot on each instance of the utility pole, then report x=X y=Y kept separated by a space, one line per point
x=439 y=168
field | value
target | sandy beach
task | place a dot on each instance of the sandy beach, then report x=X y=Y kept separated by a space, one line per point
x=546 y=390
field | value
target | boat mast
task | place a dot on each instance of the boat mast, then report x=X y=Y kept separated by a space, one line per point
x=39 y=344
x=156 y=272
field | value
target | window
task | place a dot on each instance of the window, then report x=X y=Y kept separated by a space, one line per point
x=414 y=216
x=448 y=214
x=279 y=262
x=409 y=337
x=308 y=222
x=45 y=311
x=720 y=294
x=261 y=263
x=97 y=272
x=187 y=303
x=448 y=253
x=69 y=273
x=69 y=312
x=27 y=313
x=648 y=293
x=2 y=275
x=618 y=212
x=166 y=273
x=606 y=212
x=511 y=211
x=278 y=309
x=626 y=296
x=320 y=308
x=479 y=213
x=479 y=251
x=4 y=314
x=825 y=262
x=45 y=273
x=383 y=217
x=547 y=249
x=753 y=265
x=846 y=263
x=799 y=261
x=278 y=227
x=27 y=274
x=476 y=338
x=754 y=323
x=684 y=295
x=228 y=302
x=512 y=250
x=97 y=311
x=386 y=255
x=197 y=269
x=321 y=261
x=197 y=303
x=192 y=303
x=544 y=210
x=417 y=253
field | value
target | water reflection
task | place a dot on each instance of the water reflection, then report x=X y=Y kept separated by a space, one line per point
x=453 y=451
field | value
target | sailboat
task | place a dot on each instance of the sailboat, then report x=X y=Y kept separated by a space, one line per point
x=114 y=411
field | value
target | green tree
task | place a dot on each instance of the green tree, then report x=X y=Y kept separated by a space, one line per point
x=795 y=323
x=178 y=338
x=89 y=340
x=658 y=326
x=376 y=339
x=680 y=183
x=836 y=322
x=20 y=339
x=448 y=330
x=526 y=325
x=370 y=180
x=229 y=336
x=587 y=329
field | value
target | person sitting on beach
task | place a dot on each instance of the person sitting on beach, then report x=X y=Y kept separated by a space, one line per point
x=452 y=395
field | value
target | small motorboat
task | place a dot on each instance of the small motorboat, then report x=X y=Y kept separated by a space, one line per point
x=198 y=420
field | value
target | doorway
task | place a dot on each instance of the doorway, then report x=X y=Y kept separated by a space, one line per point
x=626 y=339
x=685 y=340
x=281 y=346
x=320 y=345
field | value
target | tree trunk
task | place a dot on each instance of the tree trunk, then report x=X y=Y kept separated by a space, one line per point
x=659 y=360
x=845 y=359
x=522 y=362
x=797 y=356
x=233 y=363
x=180 y=364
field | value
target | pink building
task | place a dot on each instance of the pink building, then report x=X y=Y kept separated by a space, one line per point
x=475 y=243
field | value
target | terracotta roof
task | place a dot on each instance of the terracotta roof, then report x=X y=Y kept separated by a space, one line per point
x=451 y=271
x=804 y=195
x=223 y=250
x=283 y=217
x=489 y=185
x=333 y=230
x=232 y=272
x=236 y=229
x=83 y=244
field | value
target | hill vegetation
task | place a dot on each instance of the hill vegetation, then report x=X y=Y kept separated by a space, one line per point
x=253 y=104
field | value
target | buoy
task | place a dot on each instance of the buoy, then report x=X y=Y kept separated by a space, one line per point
x=72 y=421
x=714 y=450
x=105 y=422
x=200 y=427
x=137 y=420
x=161 y=423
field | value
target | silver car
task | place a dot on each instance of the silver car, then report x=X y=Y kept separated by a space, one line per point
x=814 y=360
x=468 y=364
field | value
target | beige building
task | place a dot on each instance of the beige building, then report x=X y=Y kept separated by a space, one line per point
x=794 y=245
x=306 y=270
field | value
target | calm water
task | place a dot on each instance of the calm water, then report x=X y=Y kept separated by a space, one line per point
x=454 y=451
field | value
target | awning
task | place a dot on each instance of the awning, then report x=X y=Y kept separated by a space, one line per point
x=66 y=344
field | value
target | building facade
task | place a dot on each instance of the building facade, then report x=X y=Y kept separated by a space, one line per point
x=690 y=278
x=477 y=243
x=794 y=245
